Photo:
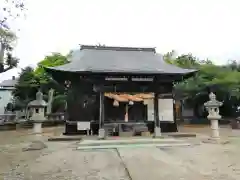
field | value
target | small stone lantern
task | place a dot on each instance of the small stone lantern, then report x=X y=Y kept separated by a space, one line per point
x=37 y=107
x=212 y=107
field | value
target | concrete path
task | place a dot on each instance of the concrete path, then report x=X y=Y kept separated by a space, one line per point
x=155 y=164
x=61 y=161
x=182 y=163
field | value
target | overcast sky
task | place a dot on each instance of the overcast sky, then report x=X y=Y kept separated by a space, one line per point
x=207 y=28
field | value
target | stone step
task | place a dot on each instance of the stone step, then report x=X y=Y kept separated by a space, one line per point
x=180 y=135
x=129 y=141
x=139 y=145
x=65 y=138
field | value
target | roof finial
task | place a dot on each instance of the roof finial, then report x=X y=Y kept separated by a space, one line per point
x=39 y=95
x=212 y=96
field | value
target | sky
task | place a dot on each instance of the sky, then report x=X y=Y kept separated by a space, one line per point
x=206 y=28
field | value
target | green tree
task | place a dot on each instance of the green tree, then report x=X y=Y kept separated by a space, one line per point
x=55 y=59
x=223 y=80
x=30 y=80
x=27 y=86
x=10 y=10
x=7 y=60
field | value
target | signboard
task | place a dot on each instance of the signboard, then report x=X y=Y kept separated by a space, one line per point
x=165 y=109
x=137 y=79
x=83 y=126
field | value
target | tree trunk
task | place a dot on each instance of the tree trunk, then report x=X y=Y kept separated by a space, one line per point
x=2 y=50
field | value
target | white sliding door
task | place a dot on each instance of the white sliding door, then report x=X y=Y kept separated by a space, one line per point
x=150 y=109
x=165 y=109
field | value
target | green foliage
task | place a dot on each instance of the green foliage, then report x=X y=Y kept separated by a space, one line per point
x=56 y=59
x=26 y=87
x=223 y=80
x=30 y=80
x=59 y=103
x=224 y=77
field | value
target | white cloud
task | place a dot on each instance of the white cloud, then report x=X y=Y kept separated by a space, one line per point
x=205 y=28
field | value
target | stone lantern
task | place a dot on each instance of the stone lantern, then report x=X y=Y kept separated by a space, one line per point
x=212 y=107
x=37 y=107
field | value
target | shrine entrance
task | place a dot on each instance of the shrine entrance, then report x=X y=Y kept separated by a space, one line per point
x=109 y=85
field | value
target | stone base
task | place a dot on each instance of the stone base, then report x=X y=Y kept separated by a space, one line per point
x=126 y=134
x=146 y=134
x=101 y=133
x=216 y=141
x=37 y=128
x=35 y=145
x=181 y=135
x=65 y=138
x=157 y=132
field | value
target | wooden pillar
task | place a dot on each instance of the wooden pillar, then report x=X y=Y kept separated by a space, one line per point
x=101 y=110
x=126 y=113
x=156 y=110
x=175 y=129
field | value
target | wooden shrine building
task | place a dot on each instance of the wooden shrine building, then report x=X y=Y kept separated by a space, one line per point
x=126 y=85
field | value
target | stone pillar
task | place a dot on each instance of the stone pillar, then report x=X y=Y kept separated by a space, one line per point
x=37 y=127
x=215 y=128
x=157 y=129
x=38 y=118
x=212 y=107
x=101 y=132
x=50 y=100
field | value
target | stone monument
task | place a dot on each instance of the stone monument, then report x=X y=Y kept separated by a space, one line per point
x=50 y=100
x=37 y=107
x=212 y=107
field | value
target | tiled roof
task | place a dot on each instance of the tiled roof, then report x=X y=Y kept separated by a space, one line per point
x=98 y=59
x=8 y=83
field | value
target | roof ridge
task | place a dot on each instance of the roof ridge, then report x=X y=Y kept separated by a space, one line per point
x=118 y=48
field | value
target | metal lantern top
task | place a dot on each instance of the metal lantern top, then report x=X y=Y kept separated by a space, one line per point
x=213 y=102
x=39 y=102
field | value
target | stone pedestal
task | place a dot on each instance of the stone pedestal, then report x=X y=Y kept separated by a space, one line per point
x=215 y=129
x=101 y=133
x=37 y=127
x=157 y=132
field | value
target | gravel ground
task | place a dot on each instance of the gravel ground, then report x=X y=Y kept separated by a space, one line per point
x=61 y=161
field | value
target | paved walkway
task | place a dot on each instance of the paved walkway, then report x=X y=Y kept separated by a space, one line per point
x=60 y=162
x=155 y=164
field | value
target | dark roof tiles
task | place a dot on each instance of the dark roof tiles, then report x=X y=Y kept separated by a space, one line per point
x=8 y=83
x=98 y=59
